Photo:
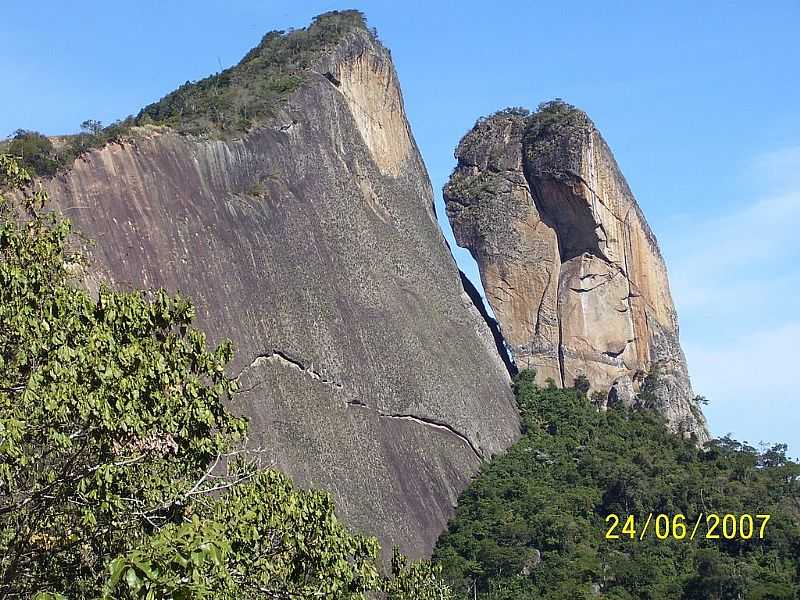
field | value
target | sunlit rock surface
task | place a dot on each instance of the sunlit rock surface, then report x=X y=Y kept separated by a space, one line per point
x=312 y=244
x=569 y=265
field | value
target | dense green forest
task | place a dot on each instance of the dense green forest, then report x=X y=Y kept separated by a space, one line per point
x=122 y=473
x=533 y=523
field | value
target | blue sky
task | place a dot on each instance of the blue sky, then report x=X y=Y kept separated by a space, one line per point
x=700 y=102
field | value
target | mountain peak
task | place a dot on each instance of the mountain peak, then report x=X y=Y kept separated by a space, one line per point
x=307 y=237
x=252 y=91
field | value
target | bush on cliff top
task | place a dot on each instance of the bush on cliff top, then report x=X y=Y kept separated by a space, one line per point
x=122 y=473
x=251 y=91
x=35 y=152
x=40 y=156
x=555 y=114
x=548 y=116
x=532 y=524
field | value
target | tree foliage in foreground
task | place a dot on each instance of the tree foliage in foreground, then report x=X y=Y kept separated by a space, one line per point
x=119 y=470
x=532 y=524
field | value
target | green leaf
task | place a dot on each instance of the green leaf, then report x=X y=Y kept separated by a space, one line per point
x=116 y=568
x=132 y=579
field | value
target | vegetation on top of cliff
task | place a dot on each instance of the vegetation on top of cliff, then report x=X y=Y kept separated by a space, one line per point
x=244 y=95
x=533 y=523
x=508 y=111
x=34 y=150
x=122 y=473
x=553 y=116
x=548 y=118
x=554 y=137
x=39 y=155
x=227 y=103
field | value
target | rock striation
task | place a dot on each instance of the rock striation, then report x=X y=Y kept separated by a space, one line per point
x=311 y=242
x=568 y=262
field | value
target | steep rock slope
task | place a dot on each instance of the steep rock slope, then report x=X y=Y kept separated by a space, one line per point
x=570 y=267
x=311 y=242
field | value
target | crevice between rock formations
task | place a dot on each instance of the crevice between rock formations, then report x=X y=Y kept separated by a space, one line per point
x=491 y=323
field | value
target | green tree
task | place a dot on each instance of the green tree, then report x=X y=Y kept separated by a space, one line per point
x=266 y=539
x=35 y=151
x=92 y=126
x=110 y=409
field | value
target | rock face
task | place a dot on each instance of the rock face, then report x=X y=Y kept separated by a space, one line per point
x=312 y=244
x=569 y=265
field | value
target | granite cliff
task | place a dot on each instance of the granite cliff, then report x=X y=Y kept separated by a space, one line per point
x=569 y=264
x=308 y=237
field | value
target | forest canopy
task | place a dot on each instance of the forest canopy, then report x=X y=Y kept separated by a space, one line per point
x=533 y=523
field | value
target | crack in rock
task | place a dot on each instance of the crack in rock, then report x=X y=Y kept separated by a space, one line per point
x=281 y=358
x=615 y=354
x=541 y=302
x=422 y=421
x=332 y=78
x=594 y=193
x=618 y=353
x=603 y=279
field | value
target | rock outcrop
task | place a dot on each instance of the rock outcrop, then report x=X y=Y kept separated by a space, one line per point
x=570 y=267
x=311 y=242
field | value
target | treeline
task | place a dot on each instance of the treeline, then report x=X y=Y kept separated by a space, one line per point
x=533 y=523
x=38 y=154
